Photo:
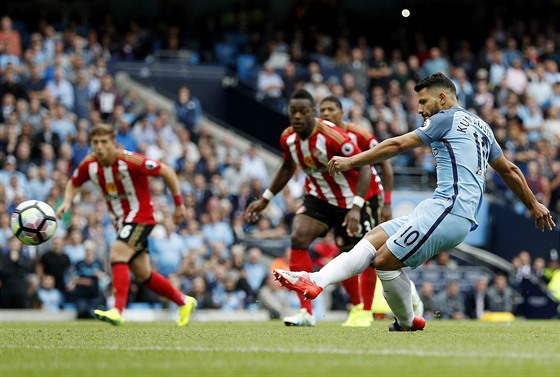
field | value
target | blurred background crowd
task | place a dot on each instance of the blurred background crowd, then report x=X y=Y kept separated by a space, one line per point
x=56 y=82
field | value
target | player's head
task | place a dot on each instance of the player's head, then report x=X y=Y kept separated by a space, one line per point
x=103 y=143
x=301 y=110
x=331 y=110
x=435 y=93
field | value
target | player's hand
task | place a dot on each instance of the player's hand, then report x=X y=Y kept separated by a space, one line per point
x=386 y=212
x=542 y=217
x=338 y=164
x=352 y=221
x=254 y=209
x=179 y=214
x=62 y=209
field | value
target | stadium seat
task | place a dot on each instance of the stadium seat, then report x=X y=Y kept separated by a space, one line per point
x=226 y=53
x=246 y=64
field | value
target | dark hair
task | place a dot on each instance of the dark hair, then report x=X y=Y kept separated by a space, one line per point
x=333 y=99
x=437 y=80
x=302 y=94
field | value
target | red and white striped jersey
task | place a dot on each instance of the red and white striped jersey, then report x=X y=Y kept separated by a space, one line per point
x=124 y=185
x=313 y=155
x=365 y=140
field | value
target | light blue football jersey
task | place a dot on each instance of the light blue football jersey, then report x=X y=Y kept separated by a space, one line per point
x=462 y=145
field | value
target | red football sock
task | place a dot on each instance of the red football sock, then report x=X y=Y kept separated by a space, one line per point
x=368 y=280
x=160 y=285
x=301 y=261
x=121 y=284
x=352 y=287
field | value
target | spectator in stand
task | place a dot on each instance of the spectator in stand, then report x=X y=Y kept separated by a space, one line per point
x=107 y=98
x=427 y=297
x=502 y=297
x=82 y=100
x=379 y=71
x=56 y=263
x=10 y=36
x=168 y=250
x=270 y=86
x=317 y=87
x=86 y=281
x=188 y=111
x=36 y=85
x=64 y=123
x=15 y=268
x=124 y=137
x=437 y=62
x=358 y=67
x=450 y=303
x=61 y=89
x=10 y=85
x=274 y=299
x=538 y=183
x=256 y=269
x=201 y=293
x=51 y=298
x=476 y=300
x=218 y=234
x=516 y=78
x=254 y=166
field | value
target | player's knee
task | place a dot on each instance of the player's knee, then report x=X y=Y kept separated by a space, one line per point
x=299 y=241
x=386 y=261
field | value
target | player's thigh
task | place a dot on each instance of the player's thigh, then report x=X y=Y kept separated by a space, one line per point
x=428 y=230
x=305 y=229
x=313 y=219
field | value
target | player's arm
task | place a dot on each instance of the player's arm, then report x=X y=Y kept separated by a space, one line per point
x=280 y=179
x=70 y=190
x=383 y=151
x=514 y=179
x=172 y=181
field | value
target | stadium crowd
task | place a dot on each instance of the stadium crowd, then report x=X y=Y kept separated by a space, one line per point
x=55 y=84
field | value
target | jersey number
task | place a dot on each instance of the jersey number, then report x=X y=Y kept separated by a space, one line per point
x=482 y=152
x=407 y=237
x=125 y=231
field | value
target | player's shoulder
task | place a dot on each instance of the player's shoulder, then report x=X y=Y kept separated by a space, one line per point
x=130 y=157
x=331 y=130
x=287 y=131
x=358 y=130
x=88 y=160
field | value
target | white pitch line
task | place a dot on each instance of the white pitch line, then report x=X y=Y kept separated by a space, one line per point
x=325 y=351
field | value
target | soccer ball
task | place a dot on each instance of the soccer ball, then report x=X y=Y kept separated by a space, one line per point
x=33 y=222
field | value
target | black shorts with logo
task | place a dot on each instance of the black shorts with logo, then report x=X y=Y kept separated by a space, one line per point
x=333 y=217
x=135 y=235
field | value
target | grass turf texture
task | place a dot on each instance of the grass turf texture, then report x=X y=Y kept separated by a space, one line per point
x=445 y=348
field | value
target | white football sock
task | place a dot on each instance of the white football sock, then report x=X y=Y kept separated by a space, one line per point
x=346 y=265
x=398 y=293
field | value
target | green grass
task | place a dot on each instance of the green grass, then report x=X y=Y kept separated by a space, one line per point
x=445 y=348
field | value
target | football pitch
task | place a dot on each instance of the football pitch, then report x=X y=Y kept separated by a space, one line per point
x=445 y=348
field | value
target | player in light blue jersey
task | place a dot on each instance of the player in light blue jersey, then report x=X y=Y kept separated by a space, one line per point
x=463 y=146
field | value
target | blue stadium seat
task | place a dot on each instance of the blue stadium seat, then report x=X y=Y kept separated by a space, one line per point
x=226 y=53
x=246 y=66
